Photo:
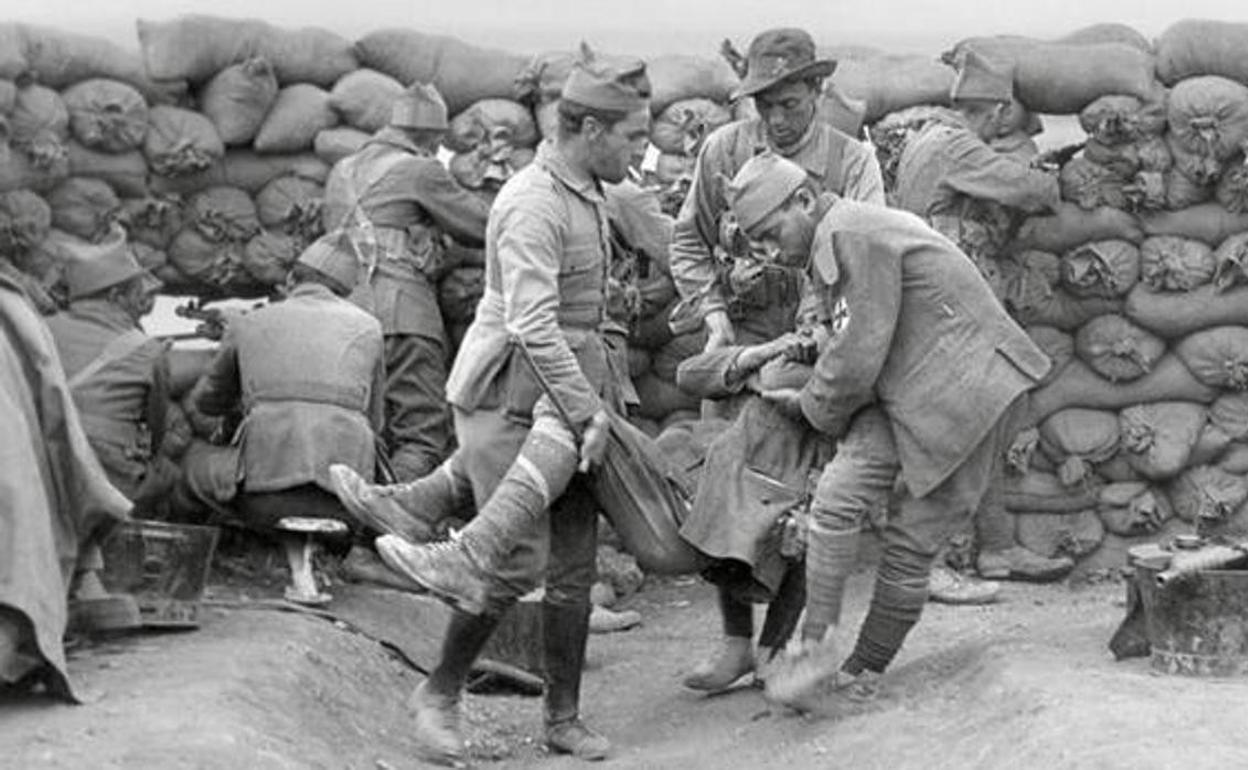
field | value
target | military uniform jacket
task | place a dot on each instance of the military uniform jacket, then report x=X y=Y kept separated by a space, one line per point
x=545 y=274
x=309 y=374
x=395 y=194
x=835 y=162
x=113 y=369
x=919 y=332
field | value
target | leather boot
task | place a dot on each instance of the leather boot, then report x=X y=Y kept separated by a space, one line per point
x=566 y=630
x=799 y=677
x=436 y=727
x=458 y=570
x=398 y=509
x=733 y=660
x=436 y=701
x=1018 y=563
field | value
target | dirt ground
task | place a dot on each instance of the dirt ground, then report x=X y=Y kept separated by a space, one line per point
x=1025 y=683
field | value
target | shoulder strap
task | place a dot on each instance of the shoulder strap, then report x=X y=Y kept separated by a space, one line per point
x=840 y=144
x=366 y=252
x=118 y=348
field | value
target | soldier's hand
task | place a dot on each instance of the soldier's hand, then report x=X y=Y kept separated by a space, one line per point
x=719 y=331
x=787 y=400
x=800 y=347
x=594 y=441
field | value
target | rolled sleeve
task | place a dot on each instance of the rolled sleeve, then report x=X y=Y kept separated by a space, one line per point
x=529 y=245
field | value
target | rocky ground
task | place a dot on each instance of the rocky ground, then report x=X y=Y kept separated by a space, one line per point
x=1025 y=683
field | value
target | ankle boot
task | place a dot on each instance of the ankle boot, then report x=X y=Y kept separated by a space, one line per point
x=408 y=510
x=436 y=725
x=565 y=629
x=733 y=660
x=436 y=701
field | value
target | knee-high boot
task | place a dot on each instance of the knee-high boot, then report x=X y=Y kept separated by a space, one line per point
x=566 y=631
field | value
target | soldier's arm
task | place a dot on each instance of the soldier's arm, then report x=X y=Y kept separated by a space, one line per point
x=219 y=391
x=697 y=229
x=863 y=180
x=981 y=172
x=530 y=245
x=844 y=376
x=458 y=212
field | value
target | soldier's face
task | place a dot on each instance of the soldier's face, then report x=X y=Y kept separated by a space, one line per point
x=613 y=149
x=787 y=110
x=787 y=233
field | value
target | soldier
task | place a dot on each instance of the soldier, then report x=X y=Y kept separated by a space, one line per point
x=540 y=320
x=749 y=301
x=309 y=373
x=401 y=206
x=973 y=193
x=924 y=370
x=118 y=375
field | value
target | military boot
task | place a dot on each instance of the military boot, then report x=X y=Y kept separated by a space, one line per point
x=733 y=660
x=565 y=631
x=1018 y=563
x=387 y=509
x=437 y=726
x=801 y=676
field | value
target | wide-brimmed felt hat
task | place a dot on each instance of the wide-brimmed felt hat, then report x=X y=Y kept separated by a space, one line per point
x=94 y=267
x=781 y=55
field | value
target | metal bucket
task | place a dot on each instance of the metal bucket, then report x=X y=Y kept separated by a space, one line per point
x=164 y=566
x=1197 y=626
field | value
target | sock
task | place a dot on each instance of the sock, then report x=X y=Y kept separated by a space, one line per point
x=895 y=608
x=830 y=556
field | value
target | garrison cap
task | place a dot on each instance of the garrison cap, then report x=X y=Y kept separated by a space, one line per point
x=762 y=185
x=618 y=84
x=981 y=78
x=420 y=106
x=332 y=255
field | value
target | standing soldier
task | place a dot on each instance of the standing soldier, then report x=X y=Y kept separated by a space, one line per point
x=401 y=206
x=972 y=193
x=539 y=326
x=747 y=301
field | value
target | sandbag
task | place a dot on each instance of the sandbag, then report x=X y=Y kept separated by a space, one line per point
x=1183 y=191
x=1073 y=534
x=486 y=169
x=1090 y=185
x=292 y=205
x=246 y=170
x=84 y=208
x=1218 y=357
x=223 y=214
x=106 y=115
x=1127 y=160
x=268 y=256
x=681 y=127
x=676 y=77
x=484 y=120
x=1208 y=222
x=1117 y=349
x=1039 y=492
x=333 y=144
x=297 y=115
x=1118 y=119
x=38 y=124
x=206 y=262
x=845 y=113
x=1105 y=269
x=1173 y=315
x=18 y=171
x=1061 y=78
x=1075 y=439
x=540 y=81
x=152 y=220
x=1207 y=494
x=463 y=73
x=1231 y=262
x=24 y=221
x=364 y=99
x=1056 y=344
x=195 y=47
x=891 y=83
x=1202 y=47
x=180 y=142
x=1132 y=509
x=1107 y=32
x=1229 y=414
x=1208 y=116
x=1070 y=226
x=1235 y=459
x=125 y=172
x=1158 y=437
x=1169 y=263
x=238 y=98
x=1201 y=168
x=1232 y=189
x=1078 y=385
x=1063 y=311
x=460 y=291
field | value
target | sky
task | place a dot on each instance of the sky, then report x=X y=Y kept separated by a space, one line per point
x=647 y=27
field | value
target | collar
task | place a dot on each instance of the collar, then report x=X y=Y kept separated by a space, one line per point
x=393 y=137
x=102 y=313
x=810 y=152
x=576 y=180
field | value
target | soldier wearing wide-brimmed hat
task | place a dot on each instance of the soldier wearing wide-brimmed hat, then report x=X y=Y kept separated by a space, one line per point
x=975 y=193
x=743 y=300
x=401 y=209
x=116 y=372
